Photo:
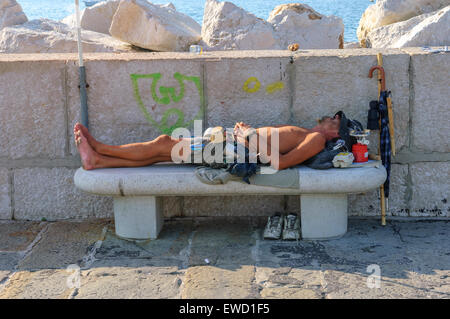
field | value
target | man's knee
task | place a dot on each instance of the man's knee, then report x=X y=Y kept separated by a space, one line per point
x=164 y=139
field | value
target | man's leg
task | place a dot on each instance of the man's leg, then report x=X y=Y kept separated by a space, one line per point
x=92 y=160
x=159 y=147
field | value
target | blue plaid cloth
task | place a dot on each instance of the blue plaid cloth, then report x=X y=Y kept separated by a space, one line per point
x=385 y=138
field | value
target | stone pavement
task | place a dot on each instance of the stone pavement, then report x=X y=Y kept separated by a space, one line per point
x=223 y=258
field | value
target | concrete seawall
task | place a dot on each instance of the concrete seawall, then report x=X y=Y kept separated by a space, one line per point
x=39 y=104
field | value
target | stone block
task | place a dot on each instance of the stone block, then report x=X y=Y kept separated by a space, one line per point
x=51 y=194
x=369 y=204
x=32 y=111
x=123 y=111
x=333 y=80
x=42 y=284
x=430 y=189
x=431 y=96
x=232 y=205
x=254 y=91
x=5 y=200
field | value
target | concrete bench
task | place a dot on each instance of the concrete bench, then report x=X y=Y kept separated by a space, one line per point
x=137 y=195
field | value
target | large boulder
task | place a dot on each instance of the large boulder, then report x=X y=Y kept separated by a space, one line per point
x=11 y=13
x=97 y=18
x=226 y=27
x=47 y=36
x=385 y=12
x=431 y=29
x=158 y=28
x=299 y=23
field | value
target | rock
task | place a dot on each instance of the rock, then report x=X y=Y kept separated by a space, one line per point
x=11 y=13
x=429 y=29
x=226 y=26
x=47 y=36
x=300 y=23
x=352 y=45
x=99 y=17
x=159 y=28
x=386 y=12
x=432 y=31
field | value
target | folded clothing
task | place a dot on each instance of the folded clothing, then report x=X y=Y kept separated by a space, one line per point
x=264 y=176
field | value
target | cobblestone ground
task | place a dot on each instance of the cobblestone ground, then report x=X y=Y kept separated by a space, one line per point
x=223 y=258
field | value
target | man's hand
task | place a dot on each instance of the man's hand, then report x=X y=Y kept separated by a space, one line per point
x=241 y=129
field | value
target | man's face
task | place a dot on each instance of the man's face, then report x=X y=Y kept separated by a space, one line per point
x=331 y=125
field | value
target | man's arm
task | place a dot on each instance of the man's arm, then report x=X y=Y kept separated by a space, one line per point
x=313 y=144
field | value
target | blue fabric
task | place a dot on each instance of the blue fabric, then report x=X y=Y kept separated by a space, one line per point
x=244 y=170
x=385 y=138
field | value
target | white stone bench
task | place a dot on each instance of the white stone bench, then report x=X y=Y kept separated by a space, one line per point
x=137 y=195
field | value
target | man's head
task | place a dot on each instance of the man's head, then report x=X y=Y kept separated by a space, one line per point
x=329 y=126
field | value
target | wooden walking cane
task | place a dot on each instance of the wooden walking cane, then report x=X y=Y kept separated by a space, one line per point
x=380 y=87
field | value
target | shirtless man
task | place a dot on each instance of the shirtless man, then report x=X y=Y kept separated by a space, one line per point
x=296 y=145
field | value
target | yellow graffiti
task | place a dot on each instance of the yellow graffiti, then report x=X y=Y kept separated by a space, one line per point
x=253 y=85
x=272 y=88
x=253 y=89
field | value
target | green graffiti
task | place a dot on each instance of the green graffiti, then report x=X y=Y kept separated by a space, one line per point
x=168 y=95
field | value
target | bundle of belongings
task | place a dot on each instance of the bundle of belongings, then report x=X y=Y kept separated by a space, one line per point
x=324 y=159
x=235 y=164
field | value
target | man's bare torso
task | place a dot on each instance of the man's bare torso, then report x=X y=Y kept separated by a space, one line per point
x=289 y=136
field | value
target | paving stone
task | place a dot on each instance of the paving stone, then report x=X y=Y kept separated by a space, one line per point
x=8 y=262
x=18 y=235
x=172 y=243
x=412 y=257
x=289 y=293
x=42 y=284
x=135 y=281
x=226 y=242
x=219 y=282
x=64 y=244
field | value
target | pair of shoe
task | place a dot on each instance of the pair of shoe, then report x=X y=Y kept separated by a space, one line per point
x=287 y=227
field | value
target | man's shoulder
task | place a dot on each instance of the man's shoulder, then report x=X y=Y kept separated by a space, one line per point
x=317 y=136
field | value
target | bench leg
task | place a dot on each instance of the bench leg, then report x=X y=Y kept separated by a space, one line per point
x=138 y=217
x=323 y=216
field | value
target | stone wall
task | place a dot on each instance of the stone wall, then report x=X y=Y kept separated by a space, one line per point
x=39 y=104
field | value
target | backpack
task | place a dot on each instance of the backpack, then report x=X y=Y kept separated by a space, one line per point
x=344 y=143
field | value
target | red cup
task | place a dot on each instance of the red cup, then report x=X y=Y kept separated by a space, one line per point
x=360 y=152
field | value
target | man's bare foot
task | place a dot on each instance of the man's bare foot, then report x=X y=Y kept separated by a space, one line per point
x=91 y=140
x=88 y=155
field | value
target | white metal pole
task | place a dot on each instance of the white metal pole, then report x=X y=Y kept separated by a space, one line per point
x=80 y=47
x=83 y=85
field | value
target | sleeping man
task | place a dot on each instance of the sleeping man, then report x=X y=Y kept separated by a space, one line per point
x=286 y=146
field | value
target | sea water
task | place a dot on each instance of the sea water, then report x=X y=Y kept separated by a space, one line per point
x=349 y=10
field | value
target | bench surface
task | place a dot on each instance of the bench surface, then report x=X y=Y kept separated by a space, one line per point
x=180 y=180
